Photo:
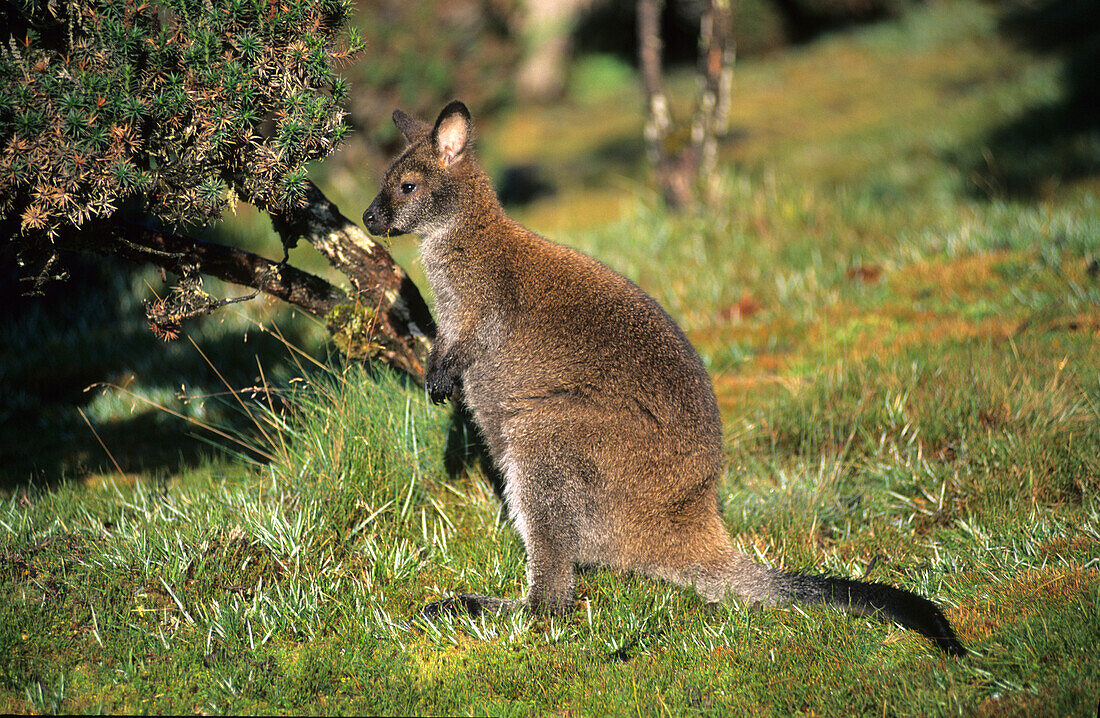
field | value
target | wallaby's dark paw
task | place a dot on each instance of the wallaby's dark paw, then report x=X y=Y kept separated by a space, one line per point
x=440 y=386
x=469 y=603
x=439 y=397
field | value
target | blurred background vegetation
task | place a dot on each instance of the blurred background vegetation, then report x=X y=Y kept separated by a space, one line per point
x=567 y=154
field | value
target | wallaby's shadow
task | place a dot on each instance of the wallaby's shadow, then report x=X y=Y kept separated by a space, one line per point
x=465 y=450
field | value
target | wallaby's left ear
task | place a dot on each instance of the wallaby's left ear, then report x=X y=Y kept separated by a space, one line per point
x=412 y=128
x=451 y=135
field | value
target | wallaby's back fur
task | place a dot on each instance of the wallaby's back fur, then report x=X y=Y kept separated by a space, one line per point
x=592 y=402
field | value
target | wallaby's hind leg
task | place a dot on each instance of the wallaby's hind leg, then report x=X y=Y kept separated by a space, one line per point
x=550 y=573
x=539 y=486
x=539 y=491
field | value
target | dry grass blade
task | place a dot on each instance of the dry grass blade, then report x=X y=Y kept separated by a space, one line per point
x=95 y=433
x=188 y=419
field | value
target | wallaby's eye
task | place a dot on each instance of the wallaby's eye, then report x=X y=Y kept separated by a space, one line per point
x=407 y=187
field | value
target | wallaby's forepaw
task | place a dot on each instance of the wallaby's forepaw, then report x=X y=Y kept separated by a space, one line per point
x=444 y=373
x=441 y=384
x=441 y=380
x=470 y=603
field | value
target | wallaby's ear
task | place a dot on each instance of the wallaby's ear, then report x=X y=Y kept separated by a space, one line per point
x=452 y=133
x=411 y=127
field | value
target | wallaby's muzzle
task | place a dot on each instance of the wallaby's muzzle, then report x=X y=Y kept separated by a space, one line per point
x=375 y=220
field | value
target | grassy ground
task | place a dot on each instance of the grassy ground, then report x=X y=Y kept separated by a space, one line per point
x=906 y=356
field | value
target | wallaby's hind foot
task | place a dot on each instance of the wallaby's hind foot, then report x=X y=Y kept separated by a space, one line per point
x=475 y=605
x=470 y=603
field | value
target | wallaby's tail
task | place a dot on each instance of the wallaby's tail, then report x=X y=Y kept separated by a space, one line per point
x=724 y=572
x=865 y=598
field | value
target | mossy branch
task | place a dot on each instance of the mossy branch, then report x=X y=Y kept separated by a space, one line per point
x=403 y=325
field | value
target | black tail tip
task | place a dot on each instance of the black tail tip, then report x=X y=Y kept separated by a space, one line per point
x=921 y=614
x=904 y=607
x=951 y=646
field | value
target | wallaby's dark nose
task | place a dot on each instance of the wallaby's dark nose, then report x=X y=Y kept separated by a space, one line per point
x=374 y=218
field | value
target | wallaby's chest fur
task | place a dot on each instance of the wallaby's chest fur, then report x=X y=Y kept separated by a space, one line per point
x=593 y=403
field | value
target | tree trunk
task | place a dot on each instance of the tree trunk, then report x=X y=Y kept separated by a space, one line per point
x=658 y=118
x=681 y=174
x=716 y=57
x=545 y=29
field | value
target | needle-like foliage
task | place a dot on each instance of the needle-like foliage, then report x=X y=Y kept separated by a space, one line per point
x=179 y=105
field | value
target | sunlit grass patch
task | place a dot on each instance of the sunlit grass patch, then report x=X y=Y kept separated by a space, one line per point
x=210 y=570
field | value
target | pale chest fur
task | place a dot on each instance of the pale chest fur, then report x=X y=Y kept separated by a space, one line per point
x=433 y=252
x=467 y=302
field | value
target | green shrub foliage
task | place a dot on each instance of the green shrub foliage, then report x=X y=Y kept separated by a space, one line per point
x=181 y=105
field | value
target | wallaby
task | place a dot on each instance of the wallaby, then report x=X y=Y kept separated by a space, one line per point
x=592 y=402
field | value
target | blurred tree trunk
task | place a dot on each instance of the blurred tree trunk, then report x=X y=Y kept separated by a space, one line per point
x=658 y=119
x=683 y=174
x=545 y=27
x=716 y=58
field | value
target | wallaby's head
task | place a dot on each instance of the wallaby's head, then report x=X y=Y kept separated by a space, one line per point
x=421 y=191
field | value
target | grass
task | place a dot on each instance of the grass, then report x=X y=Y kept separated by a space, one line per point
x=906 y=362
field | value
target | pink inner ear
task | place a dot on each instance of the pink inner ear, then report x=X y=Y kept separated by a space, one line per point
x=452 y=139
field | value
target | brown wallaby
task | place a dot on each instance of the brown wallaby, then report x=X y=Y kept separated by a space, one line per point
x=592 y=402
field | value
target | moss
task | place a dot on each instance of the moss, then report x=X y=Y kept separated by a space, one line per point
x=352 y=327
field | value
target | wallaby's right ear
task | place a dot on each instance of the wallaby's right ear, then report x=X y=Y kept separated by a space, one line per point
x=411 y=127
x=451 y=135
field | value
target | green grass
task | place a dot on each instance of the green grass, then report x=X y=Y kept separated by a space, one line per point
x=907 y=365
x=290 y=586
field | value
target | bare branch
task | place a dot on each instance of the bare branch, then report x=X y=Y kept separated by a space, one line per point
x=169 y=251
x=403 y=324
